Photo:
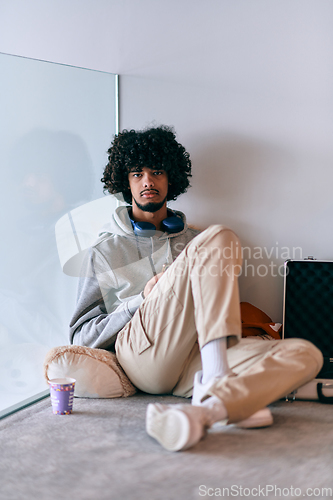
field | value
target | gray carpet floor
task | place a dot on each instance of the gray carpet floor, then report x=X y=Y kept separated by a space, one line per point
x=102 y=452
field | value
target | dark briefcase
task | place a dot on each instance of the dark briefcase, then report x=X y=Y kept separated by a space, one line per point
x=307 y=314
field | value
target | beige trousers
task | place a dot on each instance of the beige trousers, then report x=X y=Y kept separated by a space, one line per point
x=196 y=301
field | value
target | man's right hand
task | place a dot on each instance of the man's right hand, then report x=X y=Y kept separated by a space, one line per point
x=150 y=284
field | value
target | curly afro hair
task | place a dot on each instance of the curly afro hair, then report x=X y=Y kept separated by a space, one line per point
x=155 y=148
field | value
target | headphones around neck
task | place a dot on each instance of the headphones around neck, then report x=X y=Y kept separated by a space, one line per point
x=172 y=224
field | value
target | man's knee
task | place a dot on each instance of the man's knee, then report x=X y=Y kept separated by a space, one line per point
x=303 y=348
x=217 y=241
x=313 y=351
x=215 y=231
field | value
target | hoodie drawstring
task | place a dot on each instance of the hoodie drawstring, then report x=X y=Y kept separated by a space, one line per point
x=149 y=256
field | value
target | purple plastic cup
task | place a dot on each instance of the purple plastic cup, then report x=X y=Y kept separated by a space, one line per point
x=62 y=395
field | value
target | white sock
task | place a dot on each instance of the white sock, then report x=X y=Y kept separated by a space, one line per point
x=214 y=359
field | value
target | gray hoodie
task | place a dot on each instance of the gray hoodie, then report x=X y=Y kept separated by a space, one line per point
x=114 y=274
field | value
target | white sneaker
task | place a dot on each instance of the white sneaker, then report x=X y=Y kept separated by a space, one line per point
x=200 y=390
x=176 y=427
x=261 y=418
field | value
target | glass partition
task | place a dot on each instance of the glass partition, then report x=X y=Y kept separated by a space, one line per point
x=57 y=123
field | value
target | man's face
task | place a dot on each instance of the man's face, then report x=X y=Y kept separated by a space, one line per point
x=149 y=188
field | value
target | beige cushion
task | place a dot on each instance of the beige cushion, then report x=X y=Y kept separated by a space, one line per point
x=97 y=372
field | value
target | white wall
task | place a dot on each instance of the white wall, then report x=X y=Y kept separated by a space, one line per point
x=248 y=86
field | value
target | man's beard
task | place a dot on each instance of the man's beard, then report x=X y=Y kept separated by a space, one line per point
x=151 y=206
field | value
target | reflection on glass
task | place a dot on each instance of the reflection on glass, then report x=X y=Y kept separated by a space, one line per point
x=57 y=122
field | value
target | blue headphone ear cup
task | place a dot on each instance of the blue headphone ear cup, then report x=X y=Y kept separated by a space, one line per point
x=143 y=228
x=173 y=224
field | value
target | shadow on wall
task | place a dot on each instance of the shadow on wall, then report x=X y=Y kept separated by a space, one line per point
x=263 y=187
x=242 y=184
x=278 y=200
x=242 y=178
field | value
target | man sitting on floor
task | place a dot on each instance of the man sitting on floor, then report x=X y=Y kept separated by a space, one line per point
x=165 y=298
